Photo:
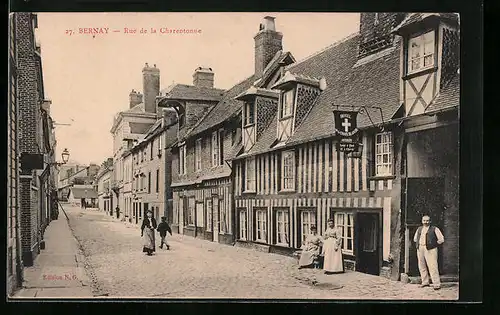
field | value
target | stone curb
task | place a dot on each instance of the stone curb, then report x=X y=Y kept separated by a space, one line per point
x=86 y=274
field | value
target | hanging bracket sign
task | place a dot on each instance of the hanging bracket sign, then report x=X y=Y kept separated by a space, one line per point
x=346 y=128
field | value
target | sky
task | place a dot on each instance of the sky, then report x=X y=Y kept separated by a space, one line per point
x=89 y=77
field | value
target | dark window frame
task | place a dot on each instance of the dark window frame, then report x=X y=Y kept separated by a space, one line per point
x=275 y=225
x=266 y=211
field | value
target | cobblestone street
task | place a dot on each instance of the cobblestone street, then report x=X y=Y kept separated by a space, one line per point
x=200 y=269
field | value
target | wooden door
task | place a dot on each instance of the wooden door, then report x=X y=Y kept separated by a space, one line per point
x=215 y=218
x=425 y=196
x=368 y=243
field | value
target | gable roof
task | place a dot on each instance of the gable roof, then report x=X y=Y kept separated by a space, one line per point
x=140 y=128
x=373 y=84
x=139 y=108
x=191 y=92
x=229 y=107
x=414 y=18
x=448 y=97
x=349 y=86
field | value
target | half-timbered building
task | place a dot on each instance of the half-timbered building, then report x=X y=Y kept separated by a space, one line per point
x=291 y=175
x=202 y=174
x=430 y=88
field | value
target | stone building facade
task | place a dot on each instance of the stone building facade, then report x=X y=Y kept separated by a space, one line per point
x=32 y=170
x=14 y=252
x=30 y=96
x=129 y=127
x=102 y=184
x=149 y=175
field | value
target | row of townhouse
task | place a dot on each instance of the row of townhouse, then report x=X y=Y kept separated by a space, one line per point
x=75 y=175
x=31 y=171
x=140 y=178
x=102 y=185
x=258 y=164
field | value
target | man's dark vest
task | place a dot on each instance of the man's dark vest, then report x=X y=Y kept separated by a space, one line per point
x=430 y=239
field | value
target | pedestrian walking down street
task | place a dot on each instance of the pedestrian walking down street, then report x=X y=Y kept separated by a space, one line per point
x=148 y=233
x=163 y=228
x=332 y=251
x=427 y=239
x=117 y=209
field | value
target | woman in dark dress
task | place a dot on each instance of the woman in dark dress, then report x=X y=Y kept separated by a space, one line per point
x=148 y=233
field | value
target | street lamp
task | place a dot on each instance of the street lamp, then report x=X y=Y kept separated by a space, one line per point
x=65 y=156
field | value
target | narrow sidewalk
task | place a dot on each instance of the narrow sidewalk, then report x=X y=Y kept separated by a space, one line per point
x=58 y=271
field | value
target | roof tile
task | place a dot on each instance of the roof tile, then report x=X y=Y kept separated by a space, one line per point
x=448 y=97
x=229 y=107
x=191 y=92
x=140 y=128
x=372 y=85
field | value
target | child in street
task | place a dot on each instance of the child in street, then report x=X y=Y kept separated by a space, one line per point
x=163 y=228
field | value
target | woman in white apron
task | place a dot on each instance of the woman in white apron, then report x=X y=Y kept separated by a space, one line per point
x=332 y=249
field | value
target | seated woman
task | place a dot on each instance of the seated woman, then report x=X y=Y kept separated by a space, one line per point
x=310 y=249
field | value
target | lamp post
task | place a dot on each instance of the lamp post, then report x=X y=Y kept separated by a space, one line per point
x=64 y=156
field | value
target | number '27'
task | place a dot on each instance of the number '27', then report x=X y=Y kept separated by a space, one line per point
x=69 y=32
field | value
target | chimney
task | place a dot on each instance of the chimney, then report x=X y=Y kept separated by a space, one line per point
x=151 y=87
x=135 y=98
x=267 y=43
x=203 y=77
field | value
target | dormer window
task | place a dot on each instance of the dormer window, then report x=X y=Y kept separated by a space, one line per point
x=249 y=114
x=287 y=104
x=375 y=20
x=421 y=51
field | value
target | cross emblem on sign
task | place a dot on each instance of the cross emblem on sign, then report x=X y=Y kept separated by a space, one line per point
x=346 y=124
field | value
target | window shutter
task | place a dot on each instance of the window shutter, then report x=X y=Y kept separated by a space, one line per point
x=279 y=172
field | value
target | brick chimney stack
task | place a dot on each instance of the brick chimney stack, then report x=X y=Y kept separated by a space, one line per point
x=267 y=43
x=151 y=87
x=203 y=77
x=135 y=98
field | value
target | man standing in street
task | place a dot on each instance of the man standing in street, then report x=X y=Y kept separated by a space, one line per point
x=427 y=239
